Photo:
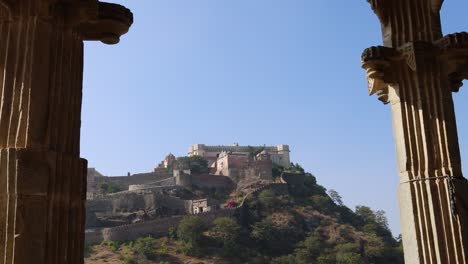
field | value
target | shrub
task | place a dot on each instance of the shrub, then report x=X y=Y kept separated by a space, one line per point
x=284 y=260
x=146 y=247
x=348 y=258
x=326 y=259
x=348 y=254
x=310 y=248
x=172 y=233
x=113 y=245
x=225 y=229
x=267 y=199
x=191 y=229
x=190 y=233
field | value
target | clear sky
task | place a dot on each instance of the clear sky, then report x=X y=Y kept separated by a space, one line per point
x=253 y=72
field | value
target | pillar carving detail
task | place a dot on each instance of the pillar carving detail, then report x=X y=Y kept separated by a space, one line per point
x=415 y=72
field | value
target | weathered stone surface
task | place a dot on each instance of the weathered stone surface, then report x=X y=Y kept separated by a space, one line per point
x=42 y=178
x=416 y=73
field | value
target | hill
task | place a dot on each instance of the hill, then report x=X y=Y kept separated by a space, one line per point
x=294 y=220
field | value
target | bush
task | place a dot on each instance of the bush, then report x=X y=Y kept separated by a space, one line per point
x=146 y=247
x=225 y=229
x=196 y=164
x=348 y=254
x=267 y=199
x=190 y=233
x=113 y=245
x=310 y=248
x=191 y=229
x=273 y=239
x=172 y=233
x=129 y=260
x=109 y=187
x=284 y=260
x=326 y=259
x=348 y=258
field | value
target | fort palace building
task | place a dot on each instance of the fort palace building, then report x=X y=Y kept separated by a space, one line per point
x=278 y=154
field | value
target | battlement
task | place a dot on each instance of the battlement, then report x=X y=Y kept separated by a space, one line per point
x=279 y=154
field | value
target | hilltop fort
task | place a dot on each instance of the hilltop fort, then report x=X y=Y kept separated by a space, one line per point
x=198 y=183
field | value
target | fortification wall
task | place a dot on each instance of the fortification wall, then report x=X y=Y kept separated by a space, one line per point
x=157 y=186
x=294 y=179
x=142 y=178
x=133 y=201
x=155 y=228
x=212 y=181
x=152 y=202
x=160 y=227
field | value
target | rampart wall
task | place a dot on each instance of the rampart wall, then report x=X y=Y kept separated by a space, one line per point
x=160 y=227
x=155 y=228
x=142 y=178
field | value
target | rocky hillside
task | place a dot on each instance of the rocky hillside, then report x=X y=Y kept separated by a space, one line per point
x=297 y=223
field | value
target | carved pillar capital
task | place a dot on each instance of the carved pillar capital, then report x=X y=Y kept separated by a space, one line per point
x=454 y=53
x=106 y=23
x=93 y=20
x=417 y=72
x=42 y=178
x=378 y=63
x=98 y=21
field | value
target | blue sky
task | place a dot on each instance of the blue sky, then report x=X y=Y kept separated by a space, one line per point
x=254 y=72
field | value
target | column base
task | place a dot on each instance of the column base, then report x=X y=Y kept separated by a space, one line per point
x=44 y=194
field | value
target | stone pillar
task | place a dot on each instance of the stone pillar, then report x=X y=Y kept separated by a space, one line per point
x=42 y=178
x=416 y=72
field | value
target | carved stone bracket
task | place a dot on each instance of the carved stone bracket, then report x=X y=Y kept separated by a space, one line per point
x=454 y=52
x=112 y=21
x=378 y=62
x=94 y=20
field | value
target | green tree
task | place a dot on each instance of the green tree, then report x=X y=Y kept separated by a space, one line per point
x=267 y=199
x=196 y=164
x=289 y=259
x=225 y=229
x=146 y=247
x=336 y=197
x=310 y=249
x=277 y=170
x=381 y=219
x=326 y=259
x=190 y=232
x=109 y=187
x=348 y=254
x=322 y=203
x=295 y=168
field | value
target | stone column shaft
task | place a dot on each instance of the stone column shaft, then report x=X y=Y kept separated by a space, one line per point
x=42 y=177
x=416 y=72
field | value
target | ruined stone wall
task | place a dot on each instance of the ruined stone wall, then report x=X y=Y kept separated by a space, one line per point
x=147 y=201
x=155 y=228
x=159 y=185
x=142 y=178
x=212 y=181
x=133 y=201
x=160 y=227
